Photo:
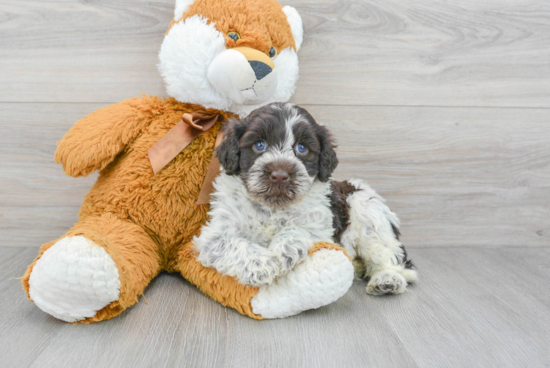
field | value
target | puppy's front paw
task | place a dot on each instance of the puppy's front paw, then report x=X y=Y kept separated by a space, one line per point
x=289 y=254
x=386 y=282
x=260 y=270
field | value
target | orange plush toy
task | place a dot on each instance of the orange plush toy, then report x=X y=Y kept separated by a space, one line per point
x=219 y=59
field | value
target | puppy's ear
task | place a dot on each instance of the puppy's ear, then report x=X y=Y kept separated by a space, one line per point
x=327 y=158
x=229 y=152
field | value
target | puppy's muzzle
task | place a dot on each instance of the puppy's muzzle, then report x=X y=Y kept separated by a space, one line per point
x=280 y=179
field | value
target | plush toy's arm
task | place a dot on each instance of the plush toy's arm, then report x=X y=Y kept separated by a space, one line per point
x=94 y=141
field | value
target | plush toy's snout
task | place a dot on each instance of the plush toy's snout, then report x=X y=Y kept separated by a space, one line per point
x=243 y=74
x=260 y=63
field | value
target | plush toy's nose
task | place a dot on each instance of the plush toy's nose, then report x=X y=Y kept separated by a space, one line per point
x=261 y=64
x=260 y=69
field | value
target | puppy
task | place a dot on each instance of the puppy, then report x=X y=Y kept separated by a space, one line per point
x=275 y=199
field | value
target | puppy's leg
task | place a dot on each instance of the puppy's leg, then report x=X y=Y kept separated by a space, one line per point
x=231 y=255
x=291 y=247
x=373 y=237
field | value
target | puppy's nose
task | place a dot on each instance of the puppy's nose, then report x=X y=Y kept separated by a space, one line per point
x=279 y=176
x=260 y=69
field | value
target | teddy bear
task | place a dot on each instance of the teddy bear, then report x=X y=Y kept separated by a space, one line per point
x=155 y=157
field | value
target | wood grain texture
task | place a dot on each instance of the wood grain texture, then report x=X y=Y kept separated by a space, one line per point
x=427 y=53
x=368 y=52
x=455 y=176
x=472 y=308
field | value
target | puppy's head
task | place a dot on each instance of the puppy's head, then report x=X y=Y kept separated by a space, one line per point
x=278 y=151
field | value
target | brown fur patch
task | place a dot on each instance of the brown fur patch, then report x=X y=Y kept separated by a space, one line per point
x=260 y=23
x=223 y=289
x=340 y=207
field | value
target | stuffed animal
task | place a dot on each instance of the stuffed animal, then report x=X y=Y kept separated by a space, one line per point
x=219 y=59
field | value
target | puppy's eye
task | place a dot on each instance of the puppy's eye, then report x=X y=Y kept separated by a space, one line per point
x=234 y=36
x=300 y=148
x=272 y=52
x=260 y=146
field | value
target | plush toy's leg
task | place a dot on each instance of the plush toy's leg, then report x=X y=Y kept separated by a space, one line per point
x=321 y=279
x=94 y=272
x=372 y=237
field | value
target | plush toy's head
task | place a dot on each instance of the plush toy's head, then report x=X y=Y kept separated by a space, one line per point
x=232 y=55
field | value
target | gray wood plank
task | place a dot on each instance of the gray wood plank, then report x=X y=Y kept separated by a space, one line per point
x=22 y=341
x=455 y=176
x=347 y=333
x=473 y=307
x=427 y=53
x=469 y=308
x=368 y=52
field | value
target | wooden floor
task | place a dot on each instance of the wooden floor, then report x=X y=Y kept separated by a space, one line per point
x=443 y=106
x=472 y=308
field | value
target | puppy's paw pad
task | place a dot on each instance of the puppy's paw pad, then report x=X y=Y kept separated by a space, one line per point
x=386 y=283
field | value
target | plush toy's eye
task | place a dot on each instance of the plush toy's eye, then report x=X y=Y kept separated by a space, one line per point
x=260 y=146
x=272 y=52
x=300 y=148
x=234 y=36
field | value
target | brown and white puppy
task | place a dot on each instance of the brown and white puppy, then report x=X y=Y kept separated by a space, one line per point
x=278 y=152
x=275 y=199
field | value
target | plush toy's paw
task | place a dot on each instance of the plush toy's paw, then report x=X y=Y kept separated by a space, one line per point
x=74 y=279
x=261 y=270
x=289 y=254
x=321 y=279
x=387 y=282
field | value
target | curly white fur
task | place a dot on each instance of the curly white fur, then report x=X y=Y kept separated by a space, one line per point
x=371 y=238
x=255 y=243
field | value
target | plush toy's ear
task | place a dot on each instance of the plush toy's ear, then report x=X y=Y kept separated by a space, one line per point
x=181 y=7
x=295 y=22
x=327 y=158
x=229 y=153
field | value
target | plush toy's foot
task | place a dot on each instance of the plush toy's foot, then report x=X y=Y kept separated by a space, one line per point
x=324 y=277
x=96 y=271
x=74 y=279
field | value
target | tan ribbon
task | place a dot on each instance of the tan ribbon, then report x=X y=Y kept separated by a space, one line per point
x=179 y=137
x=211 y=174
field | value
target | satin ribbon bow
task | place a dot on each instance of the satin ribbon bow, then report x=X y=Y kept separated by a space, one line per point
x=179 y=137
